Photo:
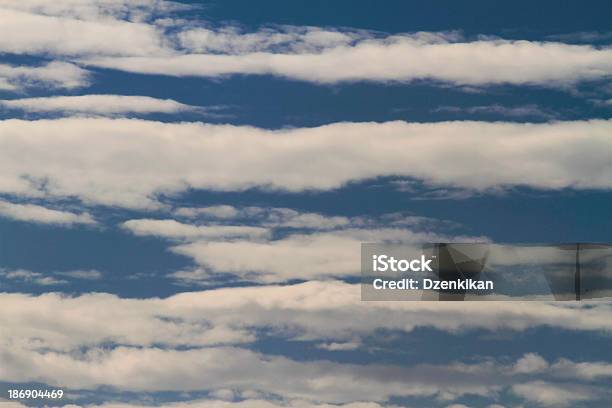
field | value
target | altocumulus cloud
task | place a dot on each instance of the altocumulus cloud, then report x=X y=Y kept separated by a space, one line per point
x=73 y=351
x=144 y=43
x=319 y=311
x=172 y=158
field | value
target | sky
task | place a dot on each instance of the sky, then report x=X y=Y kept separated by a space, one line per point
x=184 y=188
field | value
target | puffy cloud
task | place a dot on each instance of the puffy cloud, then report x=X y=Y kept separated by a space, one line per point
x=585 y=370
x=181 y=343
x=97 y=104
x=55 y=74
x=298 y=256
x=329 y=312
x=553 y=395
x=530 y=363
x=221 y=369
x=127 y=162
x=154 y=369
x=23 y=32
x=43 y=215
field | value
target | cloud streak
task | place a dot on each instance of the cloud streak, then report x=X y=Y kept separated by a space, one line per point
x=129 y=162
x=407 y=58
x=43 y=215
x=97 y=104
x=144 y=42
x=55 y=74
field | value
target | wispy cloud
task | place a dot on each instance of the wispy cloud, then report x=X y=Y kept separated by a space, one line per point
x=525 y=111
x=82 y=274
x=178 y=230
x=583 y=36
x=52 y=75
x=98 y=104
x=43 y=215
x=35 y=278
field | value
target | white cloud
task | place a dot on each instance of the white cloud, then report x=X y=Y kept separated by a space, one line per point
x=154 y=369
x=35 y=278
x=216 y=211
x=55 y=74
x=147 y=39
x=317 y=255
x=97 y=104
x=344 y=346
x=220 y=369
x=530 y=363
x=285 y=217
x=274 y=217
x=327 y=247
x=82 y=274
x=553 y=395
x=586 y=370
x=406 y=58
x=127 y=162
x=288 y=39
x=329 y=312
x=43 y=215
x=177 y=230
x=63 y=341
x=131 y=10
x=23 y=32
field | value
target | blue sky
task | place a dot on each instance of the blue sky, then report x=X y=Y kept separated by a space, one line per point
x=184 y=187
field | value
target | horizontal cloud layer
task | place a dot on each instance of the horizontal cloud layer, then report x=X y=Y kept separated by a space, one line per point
x=406 y=58
x=28 y=32
x=176 y=230
x=157 y=344
x=52 y=75
x=97 y=104
x=129 y=162
x=147 y=38
x=320 y=311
